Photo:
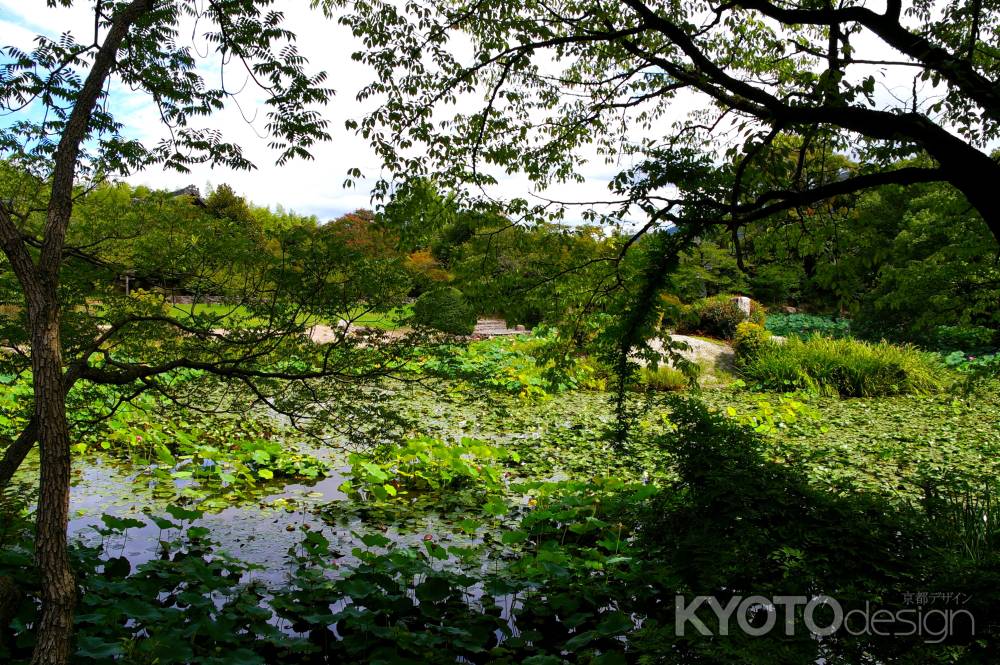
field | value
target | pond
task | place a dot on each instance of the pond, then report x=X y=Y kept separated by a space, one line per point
x=536 y=538
x=264 y=524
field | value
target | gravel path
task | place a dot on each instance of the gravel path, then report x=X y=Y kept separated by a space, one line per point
x=324 y=334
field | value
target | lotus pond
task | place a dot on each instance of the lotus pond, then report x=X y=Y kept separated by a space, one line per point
x=440 y=545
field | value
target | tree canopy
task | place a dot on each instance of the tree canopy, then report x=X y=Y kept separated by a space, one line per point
x=62 y=135
x=686 y=96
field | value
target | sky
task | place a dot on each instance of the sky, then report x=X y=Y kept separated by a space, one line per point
x=307 y=187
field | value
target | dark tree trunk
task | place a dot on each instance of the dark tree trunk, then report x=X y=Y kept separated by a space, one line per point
x=16 y=452
x=40 y=281
x=55 y=630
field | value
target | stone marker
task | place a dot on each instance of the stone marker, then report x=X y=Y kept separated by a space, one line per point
x=744 y=304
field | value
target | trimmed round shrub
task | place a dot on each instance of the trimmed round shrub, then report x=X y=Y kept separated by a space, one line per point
x=445 y=309
x=716 y=317
x=749 y=341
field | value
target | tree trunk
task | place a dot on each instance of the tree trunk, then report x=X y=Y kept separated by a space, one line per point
x=55 y=630
x=16 y=452
x=40 y=283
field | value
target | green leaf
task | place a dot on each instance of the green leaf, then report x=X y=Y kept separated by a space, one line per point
x=512 y=537
x=121 y=523
x=375 y=540
x=578 y=642
x=183 y=514
x=434 y=589
x=97 y=648
x=615 y=623
x=163 y=523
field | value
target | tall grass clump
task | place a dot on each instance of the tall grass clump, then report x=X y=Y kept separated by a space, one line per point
x=845 y=367
x=664 y=378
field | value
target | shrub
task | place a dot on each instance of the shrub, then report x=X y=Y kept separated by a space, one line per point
x=663 y=378
x=848 y=367
x=718 y=316
x=962 y=338
x=749 y=341
x=445 y=309
x=805 y=325
x=758 y=313
x=672 y=311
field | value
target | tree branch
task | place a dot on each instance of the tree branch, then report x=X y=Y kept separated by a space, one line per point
x=959 y=72
x=73 y=135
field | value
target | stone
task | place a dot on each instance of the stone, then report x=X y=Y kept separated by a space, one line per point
x=744 y=304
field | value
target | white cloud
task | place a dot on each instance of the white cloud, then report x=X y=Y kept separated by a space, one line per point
x=15 y=34
x=308 y=187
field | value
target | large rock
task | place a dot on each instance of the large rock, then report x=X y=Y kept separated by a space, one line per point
x=744 y=304
x=717 y=360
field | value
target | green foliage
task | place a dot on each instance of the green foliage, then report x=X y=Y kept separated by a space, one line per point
x=782 y=535
x=765 y=417
x=938 y=266
x=778 y=283
x=848 y=367
x=15 y=404
x=758 y=313
x=806 y=325
x=971 y=363
x=707 y=268
x=977 y=371
x=528 y=366
x=189 y=605
x=44 y=83
x=663 y=378
x=419 y=213
x=228 y=458
x=543 y=273
x=427 y=464
x=972 y=339
x=718 y=317
x=445 y=309
x=268 y=276
x=575 y=570
x=749 y=341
